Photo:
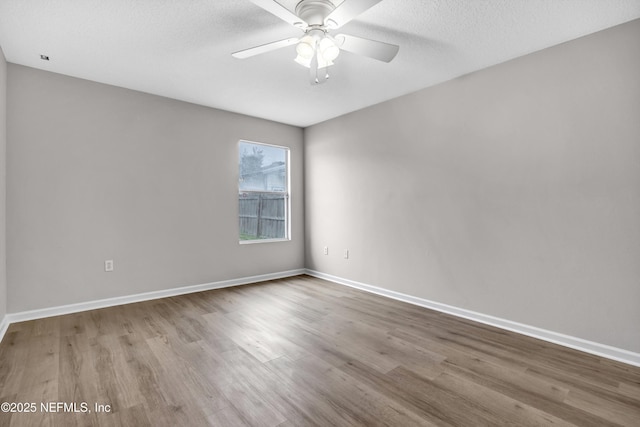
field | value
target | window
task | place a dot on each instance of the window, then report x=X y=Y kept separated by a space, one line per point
x=263 y=192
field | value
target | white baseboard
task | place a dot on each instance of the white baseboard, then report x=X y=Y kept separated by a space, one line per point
x=591 y=347
x=109 y=302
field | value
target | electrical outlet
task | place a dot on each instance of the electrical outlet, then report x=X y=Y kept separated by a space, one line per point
x=346 y=254
x=108 y=265
x=326 y=250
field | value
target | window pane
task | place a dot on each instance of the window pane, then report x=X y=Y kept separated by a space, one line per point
x=262 y=191
x=262 y=167
x=262 y=216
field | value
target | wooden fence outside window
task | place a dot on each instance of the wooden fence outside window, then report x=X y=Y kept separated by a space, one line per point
x=262 y=215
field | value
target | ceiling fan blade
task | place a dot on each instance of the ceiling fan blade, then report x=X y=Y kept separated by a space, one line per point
x=242 y=54
x=348 y=10
x=280 y=11
x=373 y=49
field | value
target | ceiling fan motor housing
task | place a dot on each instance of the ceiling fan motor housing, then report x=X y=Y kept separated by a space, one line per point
x=314 y=12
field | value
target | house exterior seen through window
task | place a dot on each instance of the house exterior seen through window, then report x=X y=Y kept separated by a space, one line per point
x=263 y=197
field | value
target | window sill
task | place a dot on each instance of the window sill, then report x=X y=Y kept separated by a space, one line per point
x=251 y=242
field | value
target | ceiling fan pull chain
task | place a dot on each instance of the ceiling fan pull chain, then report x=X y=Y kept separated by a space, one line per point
x=313 y=68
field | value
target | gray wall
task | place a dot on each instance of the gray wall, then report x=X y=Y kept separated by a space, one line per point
x=97 y=172
x=513 y=191
x=3 y=184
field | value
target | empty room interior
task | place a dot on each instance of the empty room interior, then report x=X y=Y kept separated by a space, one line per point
x=320 y=213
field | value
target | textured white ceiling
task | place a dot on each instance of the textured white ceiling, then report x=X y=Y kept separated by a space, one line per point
x=182 y=48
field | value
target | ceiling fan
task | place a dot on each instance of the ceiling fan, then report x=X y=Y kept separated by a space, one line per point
x=317 y=49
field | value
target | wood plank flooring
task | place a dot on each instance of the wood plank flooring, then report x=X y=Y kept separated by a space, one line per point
x=300 y=352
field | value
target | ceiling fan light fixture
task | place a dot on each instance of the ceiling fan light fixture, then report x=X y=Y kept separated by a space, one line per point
x=306 y=47
x=305 y=62
x=328 y=49
x=324 y=63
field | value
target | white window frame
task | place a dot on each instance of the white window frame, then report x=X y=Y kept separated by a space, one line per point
x=286 y=193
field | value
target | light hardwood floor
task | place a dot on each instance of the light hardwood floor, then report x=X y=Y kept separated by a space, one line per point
x=302 y=351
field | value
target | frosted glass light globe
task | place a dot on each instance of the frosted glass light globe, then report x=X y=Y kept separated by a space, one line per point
x=306 y=47
x=328 y=49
